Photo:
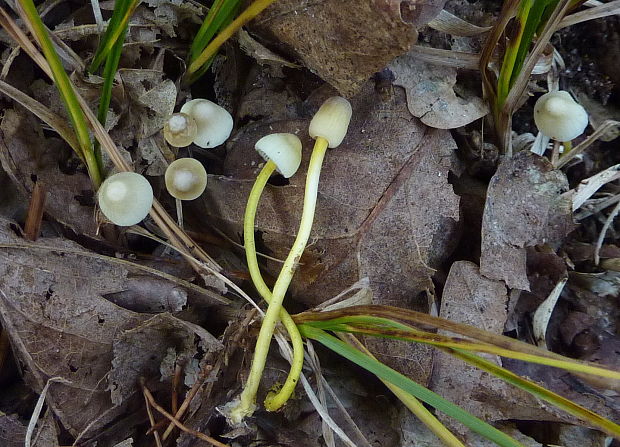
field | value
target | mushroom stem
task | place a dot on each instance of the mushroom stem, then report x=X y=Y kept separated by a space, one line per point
x=246 y=404
x=179 y=204
x=273 y=401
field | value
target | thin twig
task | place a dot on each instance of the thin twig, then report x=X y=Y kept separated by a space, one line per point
x=577 y=150
x=149 y=412
x=232 y=344
x=197 y=434
x=176 y=384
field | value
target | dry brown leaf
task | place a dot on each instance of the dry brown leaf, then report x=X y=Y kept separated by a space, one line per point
x=59 y=323
x=343 y=41
x=385 y=208
x=141 y=352
x=472 y=299
x=27 y=155
x=13 y=431
x=524 y=208
x=431 y=94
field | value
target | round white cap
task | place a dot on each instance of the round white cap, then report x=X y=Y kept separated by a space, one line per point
x=186 y=179
x=214 y=124
x=332 y=121
x=125 y=198
x=558 y=116
x=283 y=149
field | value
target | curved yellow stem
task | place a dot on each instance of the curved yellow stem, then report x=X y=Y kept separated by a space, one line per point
x=245 y=406
x=274 y=400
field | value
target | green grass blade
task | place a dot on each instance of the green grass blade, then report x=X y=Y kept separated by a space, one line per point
x=540 y=12
x=220 y=14
x=512 y=48
x=68 y=95
x=395 y=314
x=114 y=32
x=533 y=388
x=255 y=8
x=386 y=373
x=109 y=71
x=385 y=328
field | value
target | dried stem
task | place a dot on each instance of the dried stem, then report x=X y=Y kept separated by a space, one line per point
x=151 y=400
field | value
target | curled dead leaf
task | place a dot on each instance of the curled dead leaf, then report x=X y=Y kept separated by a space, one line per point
x=431 y=94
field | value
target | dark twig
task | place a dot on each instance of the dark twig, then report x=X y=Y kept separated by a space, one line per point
x=151 y=400
x=150 y=414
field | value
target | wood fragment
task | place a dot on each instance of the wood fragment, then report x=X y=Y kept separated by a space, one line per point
x=32 y=227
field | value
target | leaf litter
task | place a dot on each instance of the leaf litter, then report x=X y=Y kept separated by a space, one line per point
x=388 y=219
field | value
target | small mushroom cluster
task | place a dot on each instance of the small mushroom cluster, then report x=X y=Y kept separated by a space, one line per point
x=126 y=198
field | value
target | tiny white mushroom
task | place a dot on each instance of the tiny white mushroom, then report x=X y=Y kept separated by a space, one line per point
x=180 y=130
x=214 y=123
x=331 y=121
x=186 y=179
x=283 y=149
x=125 y=198
x=558 y=116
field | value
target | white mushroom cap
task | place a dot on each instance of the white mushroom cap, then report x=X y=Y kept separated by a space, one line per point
x=125 y=198
x=558 y=116
x=284 y=149
x=180 y=130
x=331 y=121
x=186 y=179
x=213 y=122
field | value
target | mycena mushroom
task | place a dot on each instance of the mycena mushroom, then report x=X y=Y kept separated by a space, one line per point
x=282 y=153
x=125 y=198
x=558 y=116
x=329 y=127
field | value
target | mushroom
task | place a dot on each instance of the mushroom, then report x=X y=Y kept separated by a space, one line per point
x=180 y=130
x=214 y=124
x=282 y=152
x=558 y=116
x=328 y=126
x=186 y=179
x=125 y=198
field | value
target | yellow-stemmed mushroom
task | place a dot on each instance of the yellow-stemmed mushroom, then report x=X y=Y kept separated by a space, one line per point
x=282 y=153
x=329 y=127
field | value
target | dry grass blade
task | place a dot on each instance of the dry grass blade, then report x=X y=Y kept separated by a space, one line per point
x=467 y=61
x=577 y=150
x=603 y=233
x=588 y=187
x=56 y=122
x=426 y=320
x=599 y=11
x=455 y=26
